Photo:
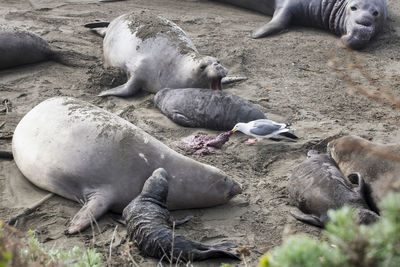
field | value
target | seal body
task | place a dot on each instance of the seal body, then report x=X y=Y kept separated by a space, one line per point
x=20 y=47
x=202 y=108
x=317 y=185
x=82 y=152
x=357 y=21
x=155 y=54
x=151 y=226
x=379 y=164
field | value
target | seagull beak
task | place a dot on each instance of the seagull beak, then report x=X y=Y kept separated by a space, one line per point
x=233 y=130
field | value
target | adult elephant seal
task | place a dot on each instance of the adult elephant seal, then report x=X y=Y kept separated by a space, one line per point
x=317 y=185
x=82 y=152
x=379 y=164
x=357 y=21
x=155 y=54
x=21 y=47
x=194 y=107
x=151 y=226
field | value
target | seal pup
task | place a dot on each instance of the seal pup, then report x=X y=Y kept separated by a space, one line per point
x=379 y=164
x=356 y=21
x=82 y=152
x=20 y=47
x=150 y=224
x=202 y=108
x=155 y=54
x=317 y=185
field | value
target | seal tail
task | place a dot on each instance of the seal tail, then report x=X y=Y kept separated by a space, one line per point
x=70 y=58
x=99 y=27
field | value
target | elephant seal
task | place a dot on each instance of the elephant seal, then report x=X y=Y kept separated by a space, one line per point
x=150 y=224
x=20 y=47
x=82 y=152
x=202 y=108
x=155 y=54
x=379 y=164
x=317 y=185
x=356 y=21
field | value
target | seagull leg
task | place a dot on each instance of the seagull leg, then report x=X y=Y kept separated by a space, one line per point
x=251 y=141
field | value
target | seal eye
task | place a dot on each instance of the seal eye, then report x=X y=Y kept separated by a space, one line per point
x=353 y=8
x=203 y=66
x=375 y=13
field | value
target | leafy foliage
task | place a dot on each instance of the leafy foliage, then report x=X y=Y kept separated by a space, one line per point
x=344 y=242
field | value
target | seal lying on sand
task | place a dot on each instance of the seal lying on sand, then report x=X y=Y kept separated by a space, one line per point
x=317 y=185
x=155 y=54
x=357 y=21
x=21 y=47
x=378 y=164
x=150 y=225
x=202 y=108
x=82 y=152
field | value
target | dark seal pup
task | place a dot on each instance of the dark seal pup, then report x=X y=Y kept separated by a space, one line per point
x=379 y=164
x=150 y=225
x=356 y=21
x=155 y=53
x=82 y=152
x=202 y=108
x=317 y=185
x=21 y=47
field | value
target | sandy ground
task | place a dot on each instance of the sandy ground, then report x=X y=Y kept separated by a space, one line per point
x=318 y=99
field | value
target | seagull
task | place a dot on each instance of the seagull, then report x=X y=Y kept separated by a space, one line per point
x=263 y=128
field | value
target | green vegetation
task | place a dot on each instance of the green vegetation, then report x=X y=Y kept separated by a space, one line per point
x=17 y=250
x=344 y=242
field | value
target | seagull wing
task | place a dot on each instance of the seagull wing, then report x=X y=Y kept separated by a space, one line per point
x=264 y=128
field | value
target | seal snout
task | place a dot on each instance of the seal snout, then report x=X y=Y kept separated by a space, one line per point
x=236 y=190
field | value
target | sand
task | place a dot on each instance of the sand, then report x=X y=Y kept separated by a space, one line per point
x=290 y=79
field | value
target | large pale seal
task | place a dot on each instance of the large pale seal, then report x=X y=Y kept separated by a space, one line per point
x=194 y=107
x=155 y=54
x=317 y=185
x=151 y=226
x=357 y=21
x=379 y=164
x=82 y=152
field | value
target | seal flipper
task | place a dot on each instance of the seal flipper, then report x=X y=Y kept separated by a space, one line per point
x=129 y=88
x=102 y=25
x=96 y=206
x=307 y=218
x=204 y=252
x=279 y=22
x=181 y=221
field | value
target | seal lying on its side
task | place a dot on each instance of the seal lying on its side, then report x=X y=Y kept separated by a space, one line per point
x=155 y=54
x=378 y=164
x=21 y=47
x=357 y=21
x=202 y=108
x=82 y=152
x=317 y=185
x=150 y=225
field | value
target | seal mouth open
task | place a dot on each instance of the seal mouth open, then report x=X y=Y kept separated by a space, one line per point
x=217 y=84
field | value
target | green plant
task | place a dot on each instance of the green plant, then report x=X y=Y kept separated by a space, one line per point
x=344 y=242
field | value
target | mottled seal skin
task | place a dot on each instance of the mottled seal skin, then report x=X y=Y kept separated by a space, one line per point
x=155 y=54
x=20 y=48
x=379 y=164
x=356 y=21
x=151 y=226
x=202 y=108
x=82 y=152
x=317 y=185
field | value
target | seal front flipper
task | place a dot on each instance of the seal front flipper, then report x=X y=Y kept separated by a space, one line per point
x=181 y=221
x=131 y=87
x=307 y=218
x=279 y=22
x=96 y=206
